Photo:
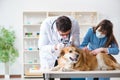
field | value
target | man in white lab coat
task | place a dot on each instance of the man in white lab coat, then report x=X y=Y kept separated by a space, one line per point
x=55 y=33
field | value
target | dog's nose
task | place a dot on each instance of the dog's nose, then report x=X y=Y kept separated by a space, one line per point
x=77 y=55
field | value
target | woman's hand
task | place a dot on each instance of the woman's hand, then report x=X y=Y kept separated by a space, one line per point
x=98 y=50
x=85 y=49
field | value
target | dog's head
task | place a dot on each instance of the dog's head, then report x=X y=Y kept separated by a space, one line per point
x=70 y=53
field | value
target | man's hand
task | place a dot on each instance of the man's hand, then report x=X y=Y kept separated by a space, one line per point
x=59 y=46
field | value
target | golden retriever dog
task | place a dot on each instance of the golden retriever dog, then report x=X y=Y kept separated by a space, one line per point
x=72 y=58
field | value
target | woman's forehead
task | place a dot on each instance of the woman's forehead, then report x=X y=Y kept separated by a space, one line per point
x=102 y=30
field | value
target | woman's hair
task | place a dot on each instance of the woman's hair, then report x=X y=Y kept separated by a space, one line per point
x=106 y=25
x=63 y=24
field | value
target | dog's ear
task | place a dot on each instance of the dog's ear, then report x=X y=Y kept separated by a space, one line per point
x=62 y=52
x=72 y=45
x=83 y=55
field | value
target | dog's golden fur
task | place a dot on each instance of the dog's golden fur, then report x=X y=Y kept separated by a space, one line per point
x=72 y=58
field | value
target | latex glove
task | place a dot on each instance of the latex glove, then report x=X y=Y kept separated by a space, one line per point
x=59 y=46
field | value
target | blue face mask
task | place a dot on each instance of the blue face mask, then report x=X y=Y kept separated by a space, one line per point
x=99 y=34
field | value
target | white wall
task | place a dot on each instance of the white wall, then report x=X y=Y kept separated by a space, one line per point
x=11 y=15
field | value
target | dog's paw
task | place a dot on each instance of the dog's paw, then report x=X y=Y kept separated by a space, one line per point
x=53 y=69
x=67 y=70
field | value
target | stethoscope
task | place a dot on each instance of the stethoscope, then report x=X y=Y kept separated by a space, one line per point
x=64 y=41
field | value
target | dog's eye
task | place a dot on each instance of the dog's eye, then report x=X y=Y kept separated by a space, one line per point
x=70 y=51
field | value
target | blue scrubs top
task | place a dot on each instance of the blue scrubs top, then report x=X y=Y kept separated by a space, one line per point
x=92 y=42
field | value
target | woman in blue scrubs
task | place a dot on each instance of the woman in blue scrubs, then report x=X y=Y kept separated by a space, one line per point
x=100 y=39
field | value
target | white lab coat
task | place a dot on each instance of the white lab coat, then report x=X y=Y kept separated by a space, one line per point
x=49 y=37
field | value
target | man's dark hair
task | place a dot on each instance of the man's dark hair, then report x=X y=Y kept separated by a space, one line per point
x=63 y=24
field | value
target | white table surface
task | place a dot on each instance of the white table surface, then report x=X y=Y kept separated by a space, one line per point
x=78 y=74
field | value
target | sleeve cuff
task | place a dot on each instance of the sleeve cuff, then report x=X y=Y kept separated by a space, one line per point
x=107 y=50
x=52 y=49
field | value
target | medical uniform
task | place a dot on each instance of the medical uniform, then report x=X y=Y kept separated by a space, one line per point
x=92 y=42
x=49 y=36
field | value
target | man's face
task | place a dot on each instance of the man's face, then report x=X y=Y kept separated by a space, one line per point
x=64 y=34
